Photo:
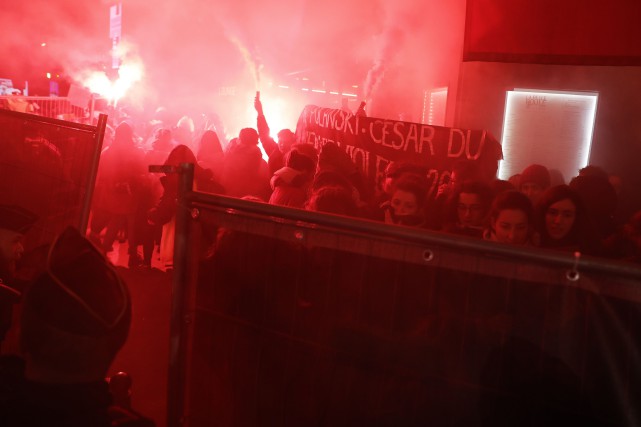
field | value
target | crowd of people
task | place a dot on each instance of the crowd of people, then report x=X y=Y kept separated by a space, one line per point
x=76 y=309
x=528 y=209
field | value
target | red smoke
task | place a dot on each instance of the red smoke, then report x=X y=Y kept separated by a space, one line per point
x=201 y=56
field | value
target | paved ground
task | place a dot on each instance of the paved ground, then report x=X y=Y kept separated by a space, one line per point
x=145 y=356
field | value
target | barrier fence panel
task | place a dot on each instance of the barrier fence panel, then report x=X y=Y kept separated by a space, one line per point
x=46 y=106
x=49 y=167
x=296 y=318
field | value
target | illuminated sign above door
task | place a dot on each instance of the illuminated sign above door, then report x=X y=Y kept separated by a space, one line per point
x=551 y=128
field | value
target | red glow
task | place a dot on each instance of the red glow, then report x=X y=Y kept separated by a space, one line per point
x=209 y=48
x=98 y=82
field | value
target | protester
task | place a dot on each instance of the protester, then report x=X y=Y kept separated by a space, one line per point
x=392 y=173
x=333 y=199
x=511 y=219
x=600 y=200
x=625 y=244
x=275 y=151
x=462 y=171
x=407 y=202
x=563 y=222
x=164 y=213
x=119 y=189
x=333 y=158
x=245 y=173
x=210 y=153
x=467 y=208
x=533 y=181
x=184 y=132
x=291 y=183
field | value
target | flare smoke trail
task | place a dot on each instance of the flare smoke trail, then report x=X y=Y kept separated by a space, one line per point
x=392 y=40
x=130 y=73
x=251 y=60
x=402 y=19
x=203 y=56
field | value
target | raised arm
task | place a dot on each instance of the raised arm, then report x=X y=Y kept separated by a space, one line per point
x=268 y=142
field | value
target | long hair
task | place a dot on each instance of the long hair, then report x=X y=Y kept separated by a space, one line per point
x=209 y=145
x=183 y=154
x=580 y=235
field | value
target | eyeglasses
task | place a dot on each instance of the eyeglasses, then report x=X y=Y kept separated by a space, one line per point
x=472 y=208
x=59 y=264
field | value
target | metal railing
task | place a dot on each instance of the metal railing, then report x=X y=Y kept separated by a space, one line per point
x=47 y=106
x=429 y=315
x=49 y=166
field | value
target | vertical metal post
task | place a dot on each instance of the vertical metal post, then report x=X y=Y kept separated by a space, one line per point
x=92 y=106
x=177 y=339
x=95 y=159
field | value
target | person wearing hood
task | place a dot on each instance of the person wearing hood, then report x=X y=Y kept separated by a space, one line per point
x=291 y=183
x=245 y=173
x=275 y=151
x=210 y=153
x=164 y=213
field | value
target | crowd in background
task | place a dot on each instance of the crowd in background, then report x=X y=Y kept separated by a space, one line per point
x=528 y=209
x=77 y=310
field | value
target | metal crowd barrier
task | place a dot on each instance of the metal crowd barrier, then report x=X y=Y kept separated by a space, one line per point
x=46 y=106
x=49 y=166
x=303 y=318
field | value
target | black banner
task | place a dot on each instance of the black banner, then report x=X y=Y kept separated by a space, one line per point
x=373 y=143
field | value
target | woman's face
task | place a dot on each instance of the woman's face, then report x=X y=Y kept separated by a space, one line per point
x=559 y=218
x=511 y=226
x=404 y=203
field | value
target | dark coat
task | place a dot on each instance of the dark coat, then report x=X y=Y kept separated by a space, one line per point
x=26 y=403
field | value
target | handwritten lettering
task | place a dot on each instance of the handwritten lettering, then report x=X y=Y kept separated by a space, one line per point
x=372 y=143
x=359 y=156
x=402 y=136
